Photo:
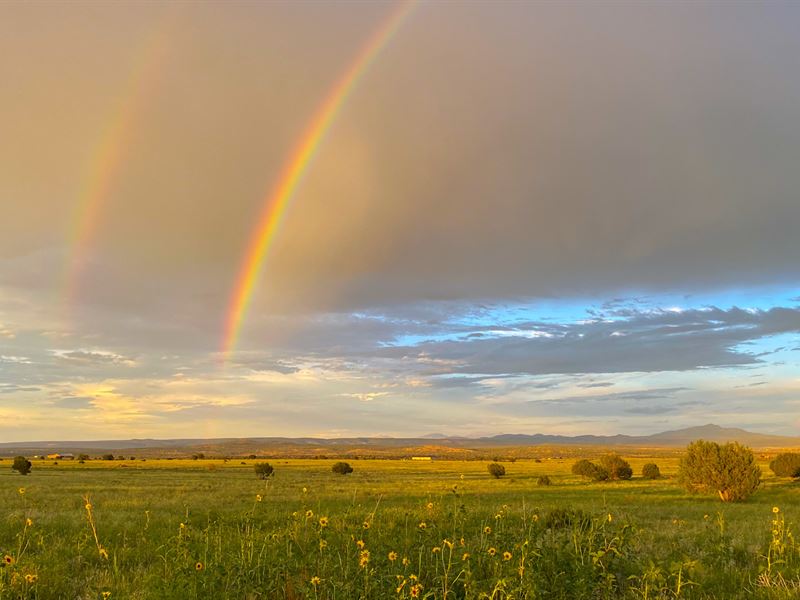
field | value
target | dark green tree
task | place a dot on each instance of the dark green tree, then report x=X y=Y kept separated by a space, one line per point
x=728 y=470
x=651 y=471
x=263 y=470
x=342 y=468
x=496 y=470
x=22 y=465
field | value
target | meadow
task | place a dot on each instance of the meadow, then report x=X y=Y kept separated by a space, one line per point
x=392 y=529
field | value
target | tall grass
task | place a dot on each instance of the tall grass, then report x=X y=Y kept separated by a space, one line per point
x=392 y=529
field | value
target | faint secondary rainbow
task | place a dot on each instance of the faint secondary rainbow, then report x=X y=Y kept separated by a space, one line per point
x=280 y=197
x=108 y=155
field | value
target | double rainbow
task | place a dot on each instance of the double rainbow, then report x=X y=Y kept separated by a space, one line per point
x=109 y=153
x=278 y=200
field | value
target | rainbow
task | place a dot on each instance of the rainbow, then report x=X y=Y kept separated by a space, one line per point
x=108 y=154
x=278 y=200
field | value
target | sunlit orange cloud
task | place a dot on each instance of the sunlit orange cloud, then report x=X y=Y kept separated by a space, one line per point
x=279 y=198
x=108 y=156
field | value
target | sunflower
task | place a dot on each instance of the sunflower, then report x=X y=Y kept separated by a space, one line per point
x=8 y=559
x=198 y=566
x=423 y=525
x=31 y=578
x=776 y=510
x=506 y=555
x=492 y=551
x=315 y=581
x=323 y=521
x=309 y=514
x=487 y=530
x=392 y=556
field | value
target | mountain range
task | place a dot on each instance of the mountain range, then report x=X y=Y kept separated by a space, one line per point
x=438 y=444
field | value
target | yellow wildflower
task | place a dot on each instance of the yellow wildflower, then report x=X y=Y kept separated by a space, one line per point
x=309 y=514
x=430 y=505
x=609 y=517
x=323 y=544
x=360 y=544
x=315 y=581
x=492 y=551
x=465 y=556
x=415 y=590
x=8 y=559
x=506 y=555
x=365 y=525
x=258 y=498
x=776 y=510
x=323 y=521
x=31 y=578
x=487 y=530
x=392 y=556
x=106 y=595
x=363 y=558
x=103 y=553
x=405 y=561
x=21 y=491
x=29 y=522
x=423 y=525
x=436 y=549
x=198 y=566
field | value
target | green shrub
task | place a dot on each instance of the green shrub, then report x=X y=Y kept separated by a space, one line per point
x=729 y=470
x=786 y=464
x=263 y=470
x=584 y=468
x=496 y=470
x=108 y=457
x=342 y=468
x=651 y=471
x=543 y=480
x=588 y=469
x=616 y=466
x=22 y=465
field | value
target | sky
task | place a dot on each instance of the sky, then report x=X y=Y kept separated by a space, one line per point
x=522 y=217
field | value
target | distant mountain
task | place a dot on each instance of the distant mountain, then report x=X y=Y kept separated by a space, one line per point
x=383 y=446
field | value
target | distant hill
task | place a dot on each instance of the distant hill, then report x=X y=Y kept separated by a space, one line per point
x=433 y=444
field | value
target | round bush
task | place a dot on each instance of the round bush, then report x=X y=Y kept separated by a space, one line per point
x=496 y=470
x=22 y=465
x=616 y=466
x=263 y=470
x=728 y=470
x=342 y=468
x=588 y=469
x=786 y=465
x=651 y=471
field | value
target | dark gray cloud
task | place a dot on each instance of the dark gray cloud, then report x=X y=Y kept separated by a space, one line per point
x=647 y=341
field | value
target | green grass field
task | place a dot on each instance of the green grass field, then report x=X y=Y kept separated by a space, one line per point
x=392 y=529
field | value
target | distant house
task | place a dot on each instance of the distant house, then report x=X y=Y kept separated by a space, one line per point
x=57 y=456
x=54 y=456
x=421 y=458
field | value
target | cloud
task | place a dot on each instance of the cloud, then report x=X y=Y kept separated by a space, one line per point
x=93 y=357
